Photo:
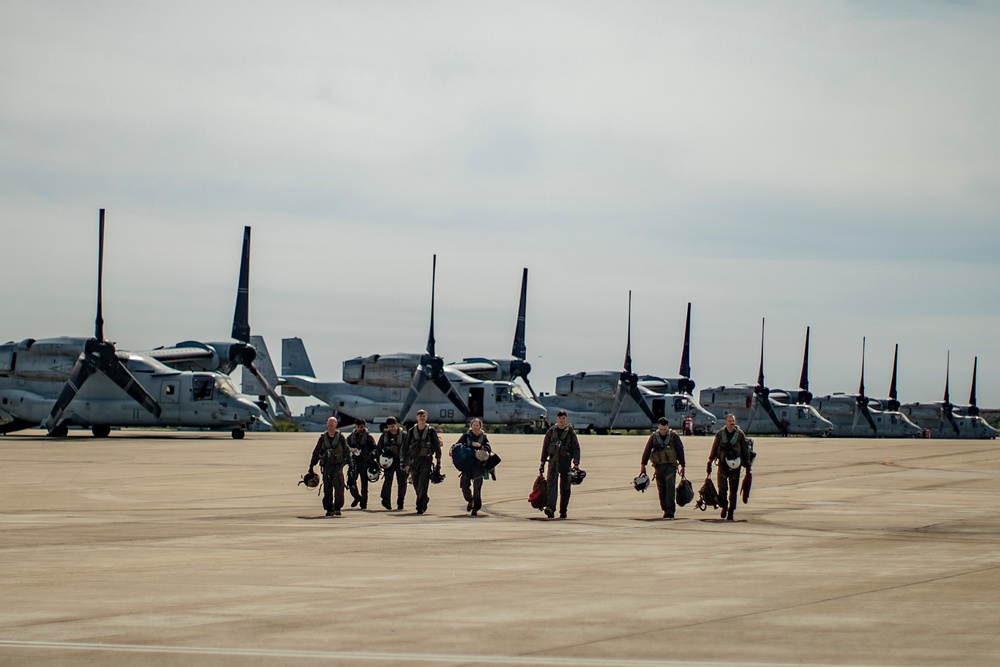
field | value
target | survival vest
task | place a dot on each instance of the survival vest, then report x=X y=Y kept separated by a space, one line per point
x=334 y=450
x=392 y=443
x=422 y=444
x=560 y=442
x=664 y=450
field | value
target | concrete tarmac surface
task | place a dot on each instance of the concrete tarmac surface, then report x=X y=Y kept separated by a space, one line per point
x=162 y=548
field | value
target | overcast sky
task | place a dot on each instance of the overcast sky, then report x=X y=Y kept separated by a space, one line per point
x=827 y=164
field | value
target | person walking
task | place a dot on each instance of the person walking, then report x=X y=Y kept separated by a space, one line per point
x=332 y=453
x=423 y=445
x=666 y=451
x=561 y=450
x=392 y=442
x=472 y=483
x=731 y=450
x=362 y=446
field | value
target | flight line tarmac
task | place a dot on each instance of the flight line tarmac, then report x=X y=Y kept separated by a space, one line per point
x=164 y=548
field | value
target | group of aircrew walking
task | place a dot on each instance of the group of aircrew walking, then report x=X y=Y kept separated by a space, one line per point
x=401 y=456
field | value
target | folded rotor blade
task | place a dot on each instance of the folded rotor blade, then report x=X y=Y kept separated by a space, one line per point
x=524 y=376
x=765 y=401
x=441 y=381
x=121 y=376
x=83 y=368
x=867 y=413
x=519 y=350
x=419 y=380
x=637 y=396
x=279 y=401
x=620 y=395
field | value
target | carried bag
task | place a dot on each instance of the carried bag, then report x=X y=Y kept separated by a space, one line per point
x=707 y=495
x=745 y=488
x=539 y=493
x=685 y=492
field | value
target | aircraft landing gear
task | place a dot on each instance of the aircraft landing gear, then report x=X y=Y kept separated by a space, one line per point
x=102 y=431
x=60 y=431
x=238 y=433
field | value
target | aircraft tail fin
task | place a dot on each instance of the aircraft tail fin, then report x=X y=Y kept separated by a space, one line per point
x=294 y=360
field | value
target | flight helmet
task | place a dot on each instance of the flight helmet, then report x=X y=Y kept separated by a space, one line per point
x=386 y=459
x=310 y=479
x=576 y=476
x=641 y=483
x=374 y=472
x=436 y=475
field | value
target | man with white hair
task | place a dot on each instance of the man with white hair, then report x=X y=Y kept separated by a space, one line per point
x=332 y=454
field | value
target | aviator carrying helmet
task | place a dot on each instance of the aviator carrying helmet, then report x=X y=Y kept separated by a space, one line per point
x=436 y=475
x=386 y=459
x=310 y=479
x=373 y=471
x=641 y=483
x=576 y=476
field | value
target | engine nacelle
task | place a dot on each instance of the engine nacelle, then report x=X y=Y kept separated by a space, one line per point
x=733 y=398
x=386 y=370
x=49 y=359
x=601 y=384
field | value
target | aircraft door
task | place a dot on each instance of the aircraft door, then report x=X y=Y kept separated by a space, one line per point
x=659 y=407
x=169 y=400
x=476 y=402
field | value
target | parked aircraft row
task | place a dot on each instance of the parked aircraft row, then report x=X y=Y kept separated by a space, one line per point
x=87 y=382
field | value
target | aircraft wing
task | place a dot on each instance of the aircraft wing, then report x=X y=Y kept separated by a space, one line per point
x=170 y=355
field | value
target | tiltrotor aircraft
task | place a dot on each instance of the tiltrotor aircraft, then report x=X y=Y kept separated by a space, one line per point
x=603 y=400
x=227 y=356
x=758 y=413
x=517 y=367
x=856 y=415
x=60 y=382
x=946 y=420
x=380 y=386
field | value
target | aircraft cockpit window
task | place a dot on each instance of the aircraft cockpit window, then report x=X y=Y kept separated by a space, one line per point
x=680 y=404
x=225 y=385
x=202 y=387
x=516 y=393
x=893 y=420
x=503 y=394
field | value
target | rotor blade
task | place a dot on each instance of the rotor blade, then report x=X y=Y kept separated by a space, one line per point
x=760 y=371
x=241 y=316
x=120 y=375
x=893 y=404
x=769 y=409
x=416 y=386
x=82 y=369
x=972 y=394
x=442 y=383
x=868 y=415
x=861 y=388
x=430 y=335
x=804 y=377
x=628 y=340
x=752 y=416
x=685 y=369
x=616 y=407
x=951 y=418
x=279 y=401
x=99 y=322
x=524 y=376
x=947 y=379
x=641 y=401
x=519 y=349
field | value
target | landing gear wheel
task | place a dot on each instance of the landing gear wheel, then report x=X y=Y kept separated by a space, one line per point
x=102 y=431
x=238 y=433
x=60 y=431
